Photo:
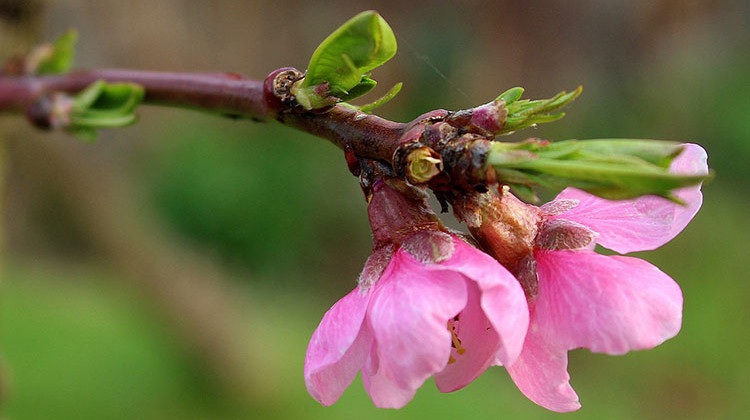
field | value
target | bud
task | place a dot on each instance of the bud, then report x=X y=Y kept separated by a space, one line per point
x=338 y=69
x=277 y=86
x=507 y=113
x=524 y=113
x=100 y=105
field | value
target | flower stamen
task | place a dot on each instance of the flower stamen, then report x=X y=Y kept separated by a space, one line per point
x=453 y=326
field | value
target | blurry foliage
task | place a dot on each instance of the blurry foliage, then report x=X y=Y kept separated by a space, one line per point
x=728 y=115
x=262 y=197
x=86 y=349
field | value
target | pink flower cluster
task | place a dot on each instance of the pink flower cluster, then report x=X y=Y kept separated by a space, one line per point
x=429 y=304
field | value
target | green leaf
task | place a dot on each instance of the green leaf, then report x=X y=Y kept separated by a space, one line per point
x=104 y=120
x=101 y=97
x=85 y=98
x=104 y=105
x=363 y=43
x=524 y=113
x=658 y=152
x=365 y=85
x=339 y=63
x=609 y=168
x=525 y=193
x=511 y=95
x=383 y=99
x=60 y=58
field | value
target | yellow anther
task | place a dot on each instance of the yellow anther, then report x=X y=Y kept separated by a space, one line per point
x=456 y=342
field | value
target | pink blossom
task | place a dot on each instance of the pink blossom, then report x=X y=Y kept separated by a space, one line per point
x=608 y=304
x=427 y=304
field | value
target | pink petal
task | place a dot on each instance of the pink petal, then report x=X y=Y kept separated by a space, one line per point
x=540 y=372
x=476 y=350
x=383 y=392
x=609 y=304
x=502 y=299
x=692 y=160
x=643 y=223
x=408 y=315
x=338 y=348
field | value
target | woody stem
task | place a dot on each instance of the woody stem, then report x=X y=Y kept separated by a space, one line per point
x=226 y=94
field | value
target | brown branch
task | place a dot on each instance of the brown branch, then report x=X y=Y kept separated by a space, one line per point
x=219 y=92
x=456 y=145
x=223 y=93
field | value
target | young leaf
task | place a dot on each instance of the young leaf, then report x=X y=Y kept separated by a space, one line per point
x=341 y=61
x=609 y=168
x=59 y=59
x=511 y=95
x=383 y=99
x=111 y=98
x=525 y=113
x=365 y=85
x=104 y=105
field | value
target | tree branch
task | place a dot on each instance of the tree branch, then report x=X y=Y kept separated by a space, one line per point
x=222 y=93
x=219 y=92
x=446 y=151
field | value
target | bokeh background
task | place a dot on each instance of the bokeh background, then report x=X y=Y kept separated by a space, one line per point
x=177 y=268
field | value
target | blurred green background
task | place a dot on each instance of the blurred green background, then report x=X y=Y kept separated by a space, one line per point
x=177 y=268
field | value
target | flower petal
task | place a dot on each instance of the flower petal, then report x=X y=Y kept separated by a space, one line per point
x=383 y=392
x=408 y=315
x=475 y=344
x=692 y=160
x=540 y=372
x=643 y=223
x=502 y=298
x=609 y=304
x=338 y=348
